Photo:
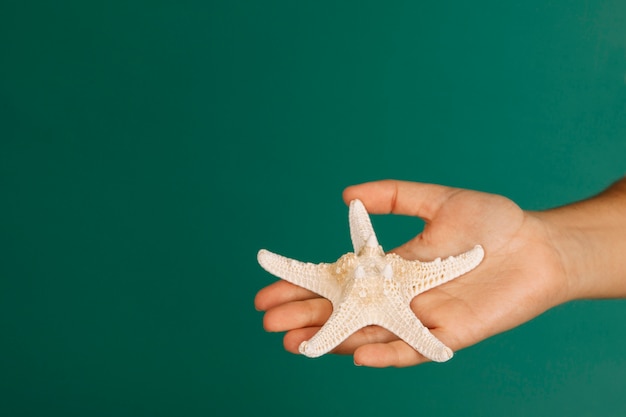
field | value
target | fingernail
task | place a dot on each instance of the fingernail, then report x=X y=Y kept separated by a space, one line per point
x=357 y=364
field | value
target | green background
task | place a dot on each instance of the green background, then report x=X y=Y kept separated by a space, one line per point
x=148 y=149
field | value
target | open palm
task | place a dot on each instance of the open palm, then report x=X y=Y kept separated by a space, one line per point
x=520 y=277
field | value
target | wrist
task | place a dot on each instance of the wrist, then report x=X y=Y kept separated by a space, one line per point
x=572 y=250
x=590 y=239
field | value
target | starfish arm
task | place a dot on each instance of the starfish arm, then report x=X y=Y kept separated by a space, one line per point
x=404 y=324
x=344 y=321
x=314 y=277
x=361 y=229
x=422 y=276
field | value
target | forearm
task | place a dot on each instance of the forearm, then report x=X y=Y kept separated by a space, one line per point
x=590 y=237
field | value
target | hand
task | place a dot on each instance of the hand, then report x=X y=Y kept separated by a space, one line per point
x=521 y=276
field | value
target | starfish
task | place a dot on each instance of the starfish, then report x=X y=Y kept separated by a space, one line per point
x=369 y=287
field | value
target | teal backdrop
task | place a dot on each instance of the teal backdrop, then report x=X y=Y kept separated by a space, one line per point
x=149 y=149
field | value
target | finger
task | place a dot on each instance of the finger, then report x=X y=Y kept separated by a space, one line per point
x=280 y=292
x=400 y=197
x=297 y=314
x=293 y=338
x=398 y=353
x=382 y=355
x=366 y=335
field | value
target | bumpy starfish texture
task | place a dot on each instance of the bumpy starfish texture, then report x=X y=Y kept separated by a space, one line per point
x=368 y=287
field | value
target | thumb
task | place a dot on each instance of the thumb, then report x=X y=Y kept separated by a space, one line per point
x=406 y=198
x=400 y=197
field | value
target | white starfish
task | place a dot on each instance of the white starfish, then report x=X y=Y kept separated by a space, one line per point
x=368 y=287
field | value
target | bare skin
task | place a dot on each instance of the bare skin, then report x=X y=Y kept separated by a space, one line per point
x=534 y=261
